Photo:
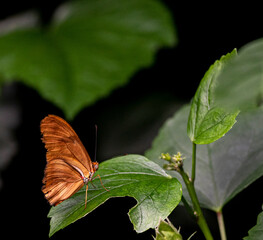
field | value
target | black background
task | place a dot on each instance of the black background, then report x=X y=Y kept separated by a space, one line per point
x=128 y=120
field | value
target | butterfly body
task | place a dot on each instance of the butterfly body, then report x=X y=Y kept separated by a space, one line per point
x=69 y=166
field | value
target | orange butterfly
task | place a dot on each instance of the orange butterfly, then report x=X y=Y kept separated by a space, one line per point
x=69 y=166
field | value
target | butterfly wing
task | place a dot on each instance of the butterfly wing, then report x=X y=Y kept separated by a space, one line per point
x=67 y=160
x=60 y=181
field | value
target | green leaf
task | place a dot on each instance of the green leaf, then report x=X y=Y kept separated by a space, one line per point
x=240 y=85
x=225 y=167
x=166 y=231
x=157 y=194
x=256 y=233
x=207 y=122
x=90 y=48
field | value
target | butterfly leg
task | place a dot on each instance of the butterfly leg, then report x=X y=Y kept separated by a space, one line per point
x=101 y=183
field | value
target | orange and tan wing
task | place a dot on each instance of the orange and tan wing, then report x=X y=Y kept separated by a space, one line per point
x=67 y=160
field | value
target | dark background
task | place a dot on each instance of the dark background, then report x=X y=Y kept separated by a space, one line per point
x=127 y=120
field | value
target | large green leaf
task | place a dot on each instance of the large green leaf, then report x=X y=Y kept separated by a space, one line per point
x=241 y=83
x=207 y=122
x=90 y=48
x=224 y=167
x=157 y=193
x=256 y=233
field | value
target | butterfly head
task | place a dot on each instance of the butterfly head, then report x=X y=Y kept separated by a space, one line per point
x=95 y=166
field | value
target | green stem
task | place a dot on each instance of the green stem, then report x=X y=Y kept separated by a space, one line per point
x=197 y=209
x=221 y=225
x=187 y=206
x=193 y=162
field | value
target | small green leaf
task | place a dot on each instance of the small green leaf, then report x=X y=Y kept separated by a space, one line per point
x=214 y=125
x=157 y=193
x=256 y=233
x=166 y=231
x=223 y=168
x=90 y=48
x=207 y=123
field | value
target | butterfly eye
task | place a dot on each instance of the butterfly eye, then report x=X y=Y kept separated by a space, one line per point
x=95 y=166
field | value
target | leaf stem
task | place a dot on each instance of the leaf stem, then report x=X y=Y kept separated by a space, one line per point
x=193 y=162
x=176 y=163
x=187 y=206
x=221 y=224
x=197 y=209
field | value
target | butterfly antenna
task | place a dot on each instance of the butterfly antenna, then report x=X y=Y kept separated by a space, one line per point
x=96 y=140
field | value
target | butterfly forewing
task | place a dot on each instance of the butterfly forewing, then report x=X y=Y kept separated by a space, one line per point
x=67 y=160
x=60 y=137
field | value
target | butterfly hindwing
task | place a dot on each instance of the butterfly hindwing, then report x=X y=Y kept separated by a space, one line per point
x=60 y=182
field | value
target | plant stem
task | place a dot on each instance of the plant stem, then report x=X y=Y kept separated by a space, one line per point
x=197 y=209
x=176 y=163
x=188 y=207
x=221 y=225
x=193 y=162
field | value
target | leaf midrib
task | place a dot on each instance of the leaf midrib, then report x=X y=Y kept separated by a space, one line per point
x=222 y=119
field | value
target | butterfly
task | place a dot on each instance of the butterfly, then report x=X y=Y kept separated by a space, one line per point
x=69 y=166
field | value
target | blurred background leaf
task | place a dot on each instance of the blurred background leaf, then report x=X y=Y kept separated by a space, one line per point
x=90 y=48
